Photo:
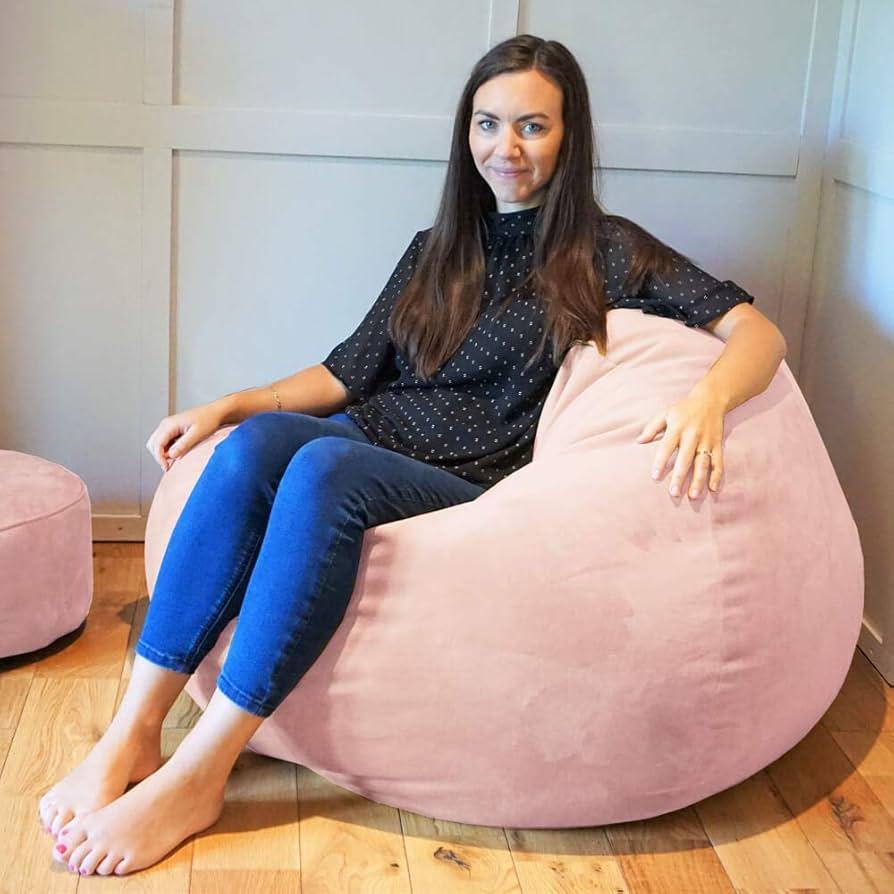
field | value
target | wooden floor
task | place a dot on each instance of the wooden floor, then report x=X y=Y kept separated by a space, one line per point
x=818 y=819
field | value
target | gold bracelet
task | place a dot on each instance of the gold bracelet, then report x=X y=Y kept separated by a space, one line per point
x=276 y=398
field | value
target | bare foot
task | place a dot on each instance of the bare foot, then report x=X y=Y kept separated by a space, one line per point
x=118 y=758
x=144 y=824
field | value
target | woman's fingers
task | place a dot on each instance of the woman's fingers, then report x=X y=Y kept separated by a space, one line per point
x=154 y=446
x=665 y=449
x=681 y=466
x=701 y=467
x=651 y=429
x=717 y=469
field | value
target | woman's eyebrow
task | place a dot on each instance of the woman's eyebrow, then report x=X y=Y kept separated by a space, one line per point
x=520 y=117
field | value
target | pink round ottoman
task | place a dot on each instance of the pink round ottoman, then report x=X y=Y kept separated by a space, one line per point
x=46 y=552
x=576 y=647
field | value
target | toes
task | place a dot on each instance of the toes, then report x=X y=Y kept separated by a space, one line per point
x=78 y=854
x=63 y=815
x=110 y=861
x=123 y=867
x=91 y=861
x=70 y=837
x=46 y=812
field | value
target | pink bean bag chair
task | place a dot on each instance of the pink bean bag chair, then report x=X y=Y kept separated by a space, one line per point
x=46 y=552
x=575 y=647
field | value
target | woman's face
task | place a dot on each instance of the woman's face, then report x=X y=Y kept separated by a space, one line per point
x=516 y=126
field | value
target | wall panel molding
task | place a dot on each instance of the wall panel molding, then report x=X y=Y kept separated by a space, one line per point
x=389 y=136
x=866 y=167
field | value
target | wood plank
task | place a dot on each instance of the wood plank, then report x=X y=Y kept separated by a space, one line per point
x=872 y=754
x=118 y=549
x=668 y=853
x=62 y=720
x=5 y=741
x=839 y=813
x=566 y=860
x=349 y=843
x=865 y=701
x=759 y=842
x=14 y=686
x=448 y=856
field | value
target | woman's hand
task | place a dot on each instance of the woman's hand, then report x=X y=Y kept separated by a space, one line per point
x=694 y=423
x=176 y=434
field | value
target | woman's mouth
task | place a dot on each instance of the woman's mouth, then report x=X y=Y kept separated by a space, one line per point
x=508 y=173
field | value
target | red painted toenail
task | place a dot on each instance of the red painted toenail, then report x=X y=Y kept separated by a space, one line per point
x=60 y=848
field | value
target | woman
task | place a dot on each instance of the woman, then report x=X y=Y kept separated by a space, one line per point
x=441 y=402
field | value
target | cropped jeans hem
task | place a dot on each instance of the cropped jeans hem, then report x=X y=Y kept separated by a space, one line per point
x=162 y=659
x=243 y=699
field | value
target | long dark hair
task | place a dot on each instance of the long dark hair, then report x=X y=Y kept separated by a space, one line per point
x=440 y=304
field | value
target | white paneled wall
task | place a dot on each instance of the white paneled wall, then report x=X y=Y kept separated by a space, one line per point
x=78 y=50
x=403 y=57
x=277 y=257
x=204 y=195
x=70 y=262
x=848 y=360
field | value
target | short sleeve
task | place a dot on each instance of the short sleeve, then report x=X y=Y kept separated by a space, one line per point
x=365 y=360
x=686 y=293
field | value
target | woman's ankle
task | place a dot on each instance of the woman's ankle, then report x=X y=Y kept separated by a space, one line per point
x=136 y=728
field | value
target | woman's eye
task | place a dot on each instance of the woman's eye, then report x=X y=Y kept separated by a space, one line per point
x=529 y=124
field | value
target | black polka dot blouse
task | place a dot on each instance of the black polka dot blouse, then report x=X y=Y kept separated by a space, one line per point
x=478 y=415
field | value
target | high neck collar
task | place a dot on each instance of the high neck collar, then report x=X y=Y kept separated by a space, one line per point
x=512 y=223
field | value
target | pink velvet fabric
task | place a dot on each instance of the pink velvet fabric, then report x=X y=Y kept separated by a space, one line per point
x=46 y=552
x=576 y=647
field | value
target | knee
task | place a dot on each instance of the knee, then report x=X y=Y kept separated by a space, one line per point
x=246 y=446
x=328 y=460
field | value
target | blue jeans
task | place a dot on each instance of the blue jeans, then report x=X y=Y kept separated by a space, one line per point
x=272 y=532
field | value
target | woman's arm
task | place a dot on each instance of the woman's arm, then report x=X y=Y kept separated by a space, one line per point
x=754 y=350
x=694 y=425
x=313 y=390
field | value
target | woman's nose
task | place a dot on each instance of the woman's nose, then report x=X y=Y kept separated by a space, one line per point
x=507 y=145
